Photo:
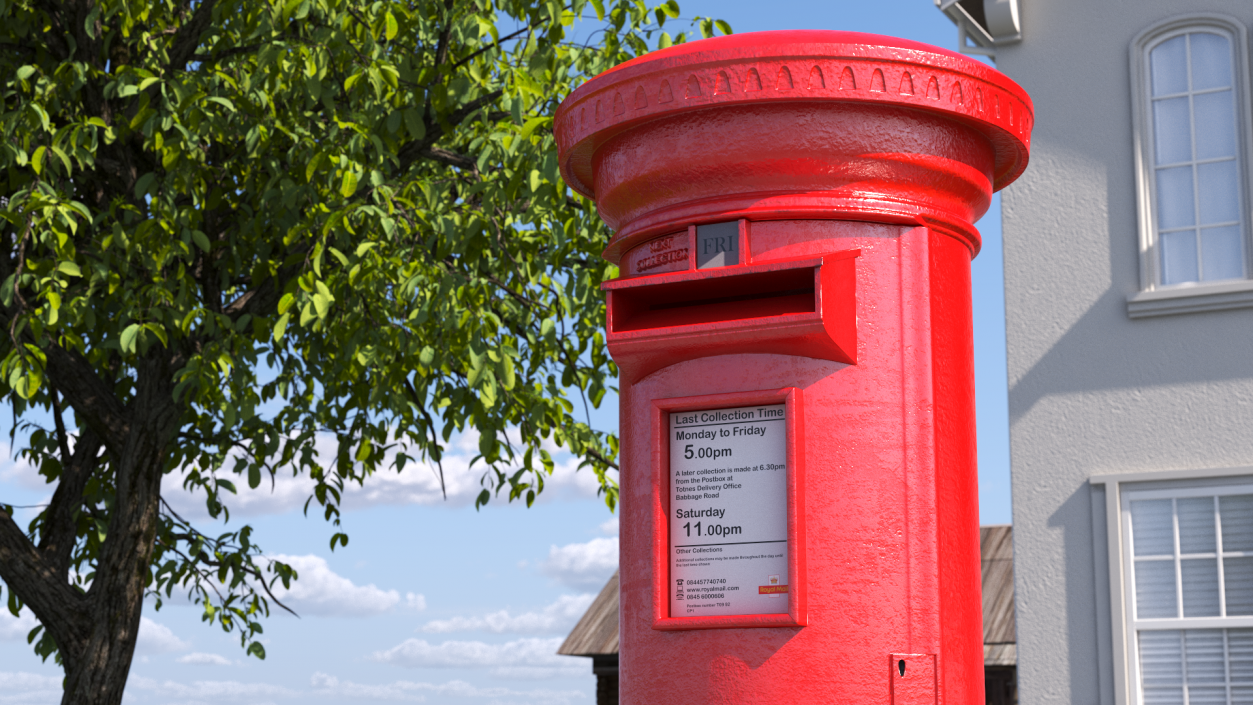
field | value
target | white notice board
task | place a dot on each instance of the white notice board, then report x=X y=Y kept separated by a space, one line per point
x=728 y=511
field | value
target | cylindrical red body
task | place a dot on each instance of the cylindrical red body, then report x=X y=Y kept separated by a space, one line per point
x=794 y=222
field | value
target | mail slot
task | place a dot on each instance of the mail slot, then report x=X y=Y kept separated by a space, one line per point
x=806 y=305
x=793 y=218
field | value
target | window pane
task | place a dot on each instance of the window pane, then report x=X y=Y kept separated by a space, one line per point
x=1179 y=263
x=1174 y=198
x=1211 y=61
x=1169 y=67
x=1238 y=582
x=1208 y=694
x=1240 y=656
x=1172 y=130
x=1236 y=511
x=1152 y=527
x=1161 y=667
x=1203 y=658
x=1215 y=124
x=1196 y=525
x=1222 y=253
x=1219 y=189
x=1200 y=587
x=1155 y=589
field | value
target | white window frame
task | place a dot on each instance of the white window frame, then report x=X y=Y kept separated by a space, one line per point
x=1154 y=299
x=1119 y=490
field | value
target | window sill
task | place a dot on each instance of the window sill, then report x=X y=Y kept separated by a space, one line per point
x=1191 y=299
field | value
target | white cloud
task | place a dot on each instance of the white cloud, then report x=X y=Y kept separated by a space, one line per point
x=22 y=688
x=15 y=628
x=202 y=659
x=415 y=602
x=323 y=592
x=417 y=484
x=557 y=618
x=207 y=691
x=330 y=686
x=19 y=471
x=155 y=638
x=522 y=658
x=610 y=526
x=582 y=565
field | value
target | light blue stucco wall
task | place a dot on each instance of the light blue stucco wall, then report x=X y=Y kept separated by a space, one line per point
x=1092 y=391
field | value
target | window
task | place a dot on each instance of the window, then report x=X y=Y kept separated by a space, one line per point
x=1189 y=80
x=1188 y=567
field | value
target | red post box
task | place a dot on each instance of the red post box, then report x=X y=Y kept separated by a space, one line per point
x=793 y=217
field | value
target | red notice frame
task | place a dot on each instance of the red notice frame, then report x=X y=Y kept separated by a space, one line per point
x=796 y=615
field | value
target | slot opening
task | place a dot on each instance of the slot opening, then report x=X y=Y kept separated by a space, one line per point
x=716 y=299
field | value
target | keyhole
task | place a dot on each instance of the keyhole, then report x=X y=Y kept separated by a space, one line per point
x=900 y=665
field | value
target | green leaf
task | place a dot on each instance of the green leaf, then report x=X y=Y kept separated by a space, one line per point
x=723 y=26
x=599 y=6
x=223 y=102
x=312 y=168
x=349 y=185
x=392 y=27
x=37 y=161
x=323 y=290
x=129 y=336
x=65 y=159
x=281 y=327
x=531 y=125
x=201 y=240
x=413 y=122
x=157 y=331
x=25 y=72
x=508 y=376
x=671 y=8
x=143 y=184
x=254 y=476
x=69 y=268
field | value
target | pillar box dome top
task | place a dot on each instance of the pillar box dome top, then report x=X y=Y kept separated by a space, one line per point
x=793 y=124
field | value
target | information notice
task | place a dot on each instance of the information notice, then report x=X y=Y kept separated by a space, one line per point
x=728 y=511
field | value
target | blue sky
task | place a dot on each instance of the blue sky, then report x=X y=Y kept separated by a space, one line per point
x=432 y=601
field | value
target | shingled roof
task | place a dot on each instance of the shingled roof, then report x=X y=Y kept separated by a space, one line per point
x=596 y=634
x=996 y=550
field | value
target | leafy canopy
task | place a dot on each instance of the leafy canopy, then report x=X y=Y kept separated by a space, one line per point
x=283 y=220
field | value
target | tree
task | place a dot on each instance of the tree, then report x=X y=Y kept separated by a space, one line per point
x=231 y=226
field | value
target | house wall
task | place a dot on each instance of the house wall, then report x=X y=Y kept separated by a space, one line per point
x=1092 y=391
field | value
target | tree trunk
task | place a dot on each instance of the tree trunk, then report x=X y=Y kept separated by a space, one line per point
x=97 y=674
x=96 y=632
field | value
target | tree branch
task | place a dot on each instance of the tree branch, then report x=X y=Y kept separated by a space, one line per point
x=93 y=401
x=32 y=577
x=597 y=456
x=183 y=46
x=60 y=523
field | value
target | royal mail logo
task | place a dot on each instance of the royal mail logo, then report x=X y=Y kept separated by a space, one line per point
x=773 y=589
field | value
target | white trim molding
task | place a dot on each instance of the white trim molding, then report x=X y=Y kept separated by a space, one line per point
x=1220 y=296
x=1155 y=298
x=1117 y=486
